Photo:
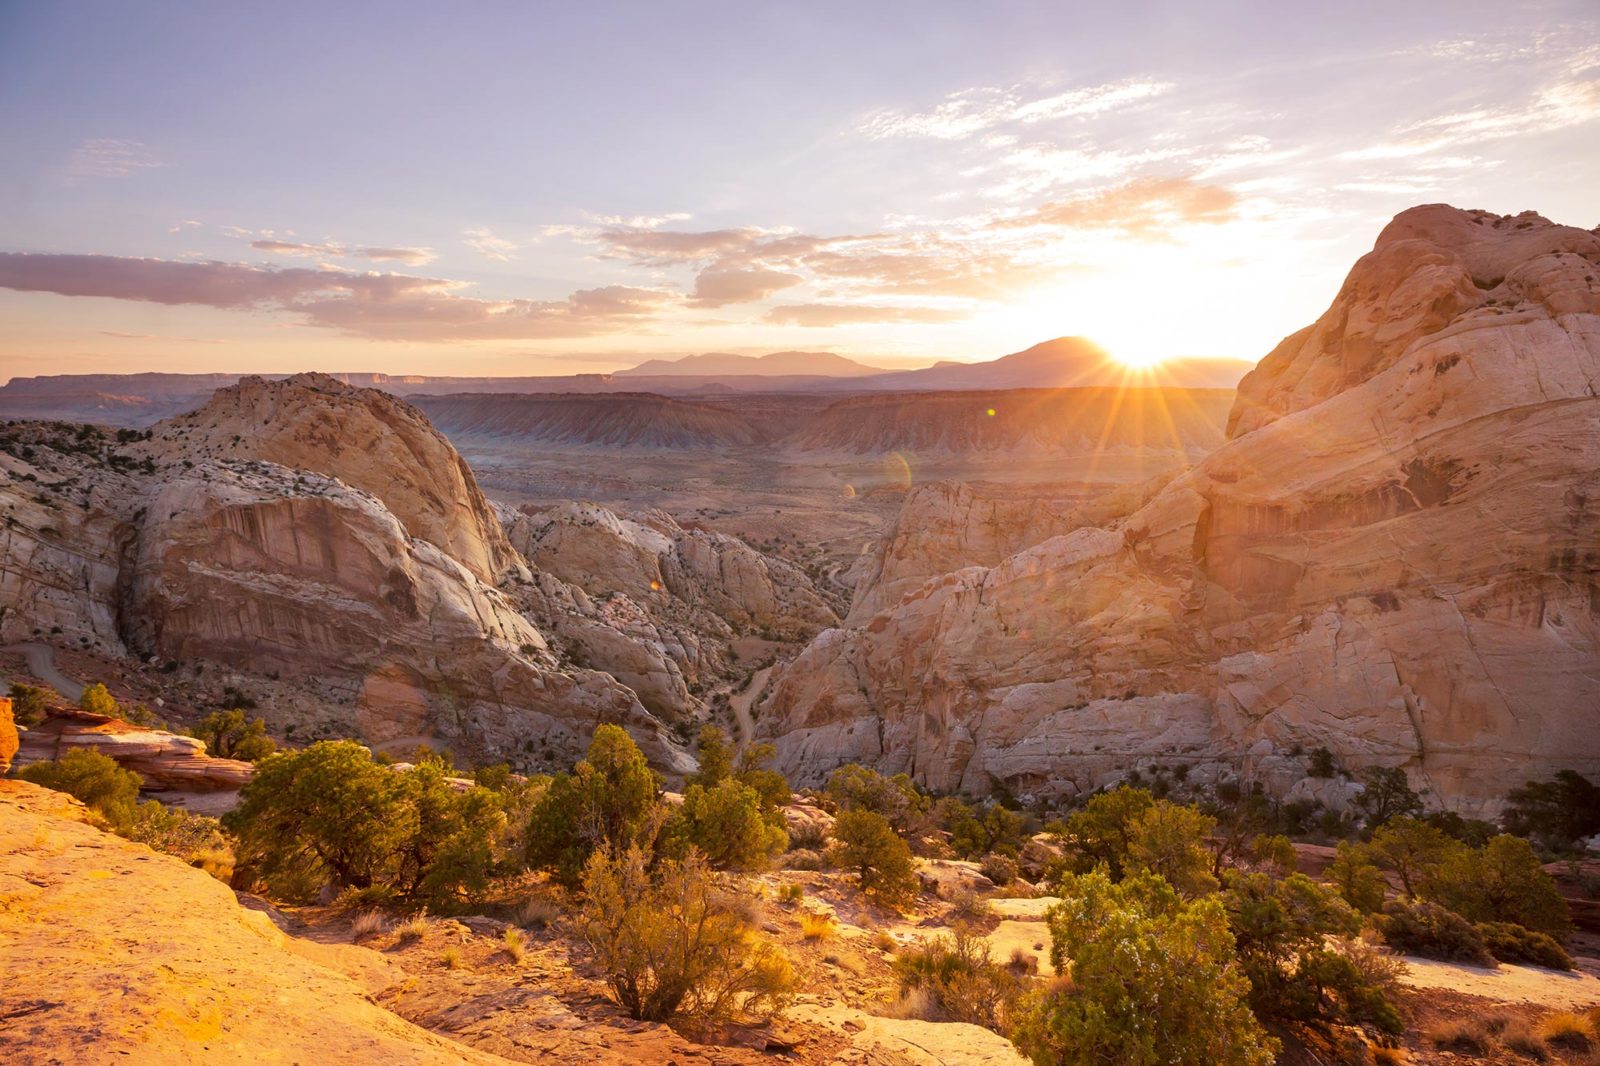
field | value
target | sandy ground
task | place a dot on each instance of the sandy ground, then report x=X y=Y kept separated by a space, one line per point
x=1507 y=984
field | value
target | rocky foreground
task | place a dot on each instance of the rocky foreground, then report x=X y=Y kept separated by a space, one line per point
x=1394 y=556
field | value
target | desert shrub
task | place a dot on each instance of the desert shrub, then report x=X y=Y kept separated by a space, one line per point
x=1102 y=831
x=716 y=758
x=1463 y=1036
x=816 y=925
x=195 y=838
x=329 y=814
x=1386 y=794
x=866 y=843
x=853 y=787
x=1357 y=877
x=958 y=979
x=1556 y=813
x=999 y=868
x=1168 y=839
x=537 y=912
x=1154 y=982
x=975 y=832
x=754 y=772
x=95 y=779
x=1503 y=881
x=966 y=906
x=229 y=736
x=1273 y=852
x=1473 y=831
x=1508 y=942
x=97 y=699
x=368 y=923
x=609 y=800
x=808 y=836
x=1412 y=850
x=1522 y=1040
x=30 y=702
x=515 y=942
x=1286 y=935
x=1321 y=763
x=791 y=893
x=727 y=823
x=1568 y=1031
x=451 y=957
x=1432 y=931
x=803 y=859
x=670 y=944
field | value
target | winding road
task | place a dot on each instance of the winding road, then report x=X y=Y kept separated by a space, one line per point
x=42 y=662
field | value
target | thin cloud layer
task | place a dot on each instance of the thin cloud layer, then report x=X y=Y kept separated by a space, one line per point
x=820 y=315
x=969 y=112
x=334 y=250
x=108 y=157
x=376 y=306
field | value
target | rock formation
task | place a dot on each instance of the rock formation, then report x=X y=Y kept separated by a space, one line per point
x=8 y=736
x=195 y=978
x=1395 y=555
x=168 y=762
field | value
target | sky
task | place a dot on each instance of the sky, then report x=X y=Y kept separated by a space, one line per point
x=561 y=188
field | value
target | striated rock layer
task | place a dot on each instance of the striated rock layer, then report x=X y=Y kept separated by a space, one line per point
x=1396 y=555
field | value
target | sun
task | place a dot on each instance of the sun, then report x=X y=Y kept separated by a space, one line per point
x=1133 y=359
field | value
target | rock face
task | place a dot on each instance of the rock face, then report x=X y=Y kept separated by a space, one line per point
x=196 y=978
x=8 y=736
x=166 y=761
x=367 y=439
x=1395 y=555
x=189 y=547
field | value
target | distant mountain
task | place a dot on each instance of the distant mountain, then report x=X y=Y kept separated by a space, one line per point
x=1064 y=362
x=718 y=364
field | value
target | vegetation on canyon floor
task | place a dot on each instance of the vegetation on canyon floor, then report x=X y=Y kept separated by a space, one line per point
x=1183 y=931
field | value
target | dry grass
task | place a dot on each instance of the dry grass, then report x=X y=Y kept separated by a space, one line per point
x=1461 y=1037
x=516 y=944
x=451 y=957
x=537 y=913
x=368 y=923
x=818 y=926
x=1568 y=1031
x=791 y=893
x=1521 y=1039
x=918 y=1004
x=413 y=928
x=885 y=943
x=1389 y=1056
x=1022 y=963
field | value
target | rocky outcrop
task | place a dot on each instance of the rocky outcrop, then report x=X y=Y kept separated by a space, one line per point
x=1394 y=556
x=166 y=761
x=196 y=978
x=8 y=736
x=365 y=438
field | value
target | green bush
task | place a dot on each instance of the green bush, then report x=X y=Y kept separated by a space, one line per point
x=854 y=787
x=1154 y=982
x=30 y=702
x=975 y=833
x=727 y=823
x=673 y=946
x=229 y=736
x=1287 y=933
x=609 y=800
x=958 y=981
x=330 y=815
x=1513 y=943
x=1413 y=851
x=1503 y=881
x=1357 y=877
x=1385 y=794
x=1557 y=813
x=1432 y=931
x=97 y=699
x=866 y=843
x=1168 y=839
x=1102 y=831
x=95 y=779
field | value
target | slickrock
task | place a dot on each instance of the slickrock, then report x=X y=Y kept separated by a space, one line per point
x=196 y=978
x=8 y=735
x=166 y=761
x=1396 y=555
x=365 y=438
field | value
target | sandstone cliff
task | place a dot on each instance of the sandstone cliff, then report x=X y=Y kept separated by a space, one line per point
x=1394 y=555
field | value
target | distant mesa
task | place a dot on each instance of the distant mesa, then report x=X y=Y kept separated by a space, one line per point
x=722 y=364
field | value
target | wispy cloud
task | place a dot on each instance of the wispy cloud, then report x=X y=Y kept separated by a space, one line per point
x=1147 y=208
x=485 y=243
x=335 y=250
x=969 y=112
x=720 y=286
x=106 y=157
x=822 y=315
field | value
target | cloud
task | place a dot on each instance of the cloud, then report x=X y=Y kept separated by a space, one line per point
x=120 y=335
x=486 y=244
x=409 y=256
x=377 y=306
x=969 y=112
x=855 y=314
x=720 y=286
x=1147 y=207
x=108 y=158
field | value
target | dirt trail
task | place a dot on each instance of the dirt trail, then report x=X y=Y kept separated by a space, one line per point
x=741 y=702
x=42 y=662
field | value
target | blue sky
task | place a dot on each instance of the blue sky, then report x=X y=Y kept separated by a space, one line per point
x=554 y=188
